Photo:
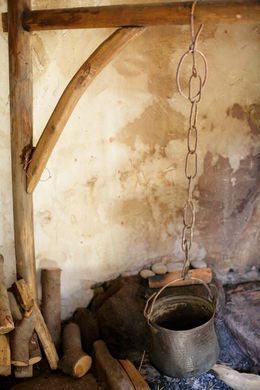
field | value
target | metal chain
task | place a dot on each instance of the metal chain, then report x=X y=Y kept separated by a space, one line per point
x=196 y=83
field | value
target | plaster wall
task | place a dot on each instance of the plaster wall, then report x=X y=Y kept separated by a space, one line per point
x=111 y=198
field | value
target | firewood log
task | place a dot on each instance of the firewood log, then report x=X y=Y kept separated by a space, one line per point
x=51 y=307
x=235 y=379
x=5 y=355
x=34 y=348
x=134 y=375
x=23 y=294
x=19 y=340
x=6 y=321
x=109 y=369
x=74 y=362
x=23 y=372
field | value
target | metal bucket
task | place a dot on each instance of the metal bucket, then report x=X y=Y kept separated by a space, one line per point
x=183 y=341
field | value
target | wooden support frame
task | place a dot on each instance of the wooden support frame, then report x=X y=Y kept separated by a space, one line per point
x=70 y=97
x=177 y=13
x=19 y=21
x=20 y=78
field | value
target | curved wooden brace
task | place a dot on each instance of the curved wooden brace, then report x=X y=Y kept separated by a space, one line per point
x=70 y=97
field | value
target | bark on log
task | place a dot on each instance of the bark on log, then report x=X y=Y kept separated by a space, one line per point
x=5 y=355
x=235 y=379
x=19 y=340
x=20 y=75
x=74 y=362
x=134 y=375
x=6 y=321
x=14 y=307
x=102 y=56
x=22 y=292
x=89 y=329
x=109 y=369
x=23 y=372
x=51 y=302
x=35 y=354
x=204 y=274
x=141 y=15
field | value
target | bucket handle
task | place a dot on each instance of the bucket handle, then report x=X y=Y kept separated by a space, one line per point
x=149 y=310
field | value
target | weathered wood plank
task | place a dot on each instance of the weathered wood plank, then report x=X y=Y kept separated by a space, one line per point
x=20 y=67
x=141 y=15
x=70 y=97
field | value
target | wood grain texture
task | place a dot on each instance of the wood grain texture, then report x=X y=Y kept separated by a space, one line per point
x=6 y=320
x=109 y=370
x=70 y=97
x=134 y=375
x=159 y=281
x=20 y=77
x=5 y=355
x=141 y=15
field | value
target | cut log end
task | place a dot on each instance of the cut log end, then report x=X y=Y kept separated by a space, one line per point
x=82 y=366
x=7 y=325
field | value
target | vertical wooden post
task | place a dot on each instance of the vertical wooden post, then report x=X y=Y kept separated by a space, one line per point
x=20 y=73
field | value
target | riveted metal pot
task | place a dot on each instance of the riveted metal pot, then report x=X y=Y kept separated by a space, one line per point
x=183 y=341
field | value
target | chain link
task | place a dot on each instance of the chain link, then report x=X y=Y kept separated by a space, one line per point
x=196 y=83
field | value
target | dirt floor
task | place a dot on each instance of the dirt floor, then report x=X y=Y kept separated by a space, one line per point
x=44 y=379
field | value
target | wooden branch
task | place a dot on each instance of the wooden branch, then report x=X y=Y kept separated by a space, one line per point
x=20 y=74
x=70 y=97
x=22 y=292
x=140 y=15
x=6 y=321
x=235 y=379
x=74 y=362
x=109 y=369
x=134 y=375
x=5 y=355
x=204 y=274
x=19 y=340
x=51 y=304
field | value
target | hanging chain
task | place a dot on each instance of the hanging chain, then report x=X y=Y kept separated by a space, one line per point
x=195 y=85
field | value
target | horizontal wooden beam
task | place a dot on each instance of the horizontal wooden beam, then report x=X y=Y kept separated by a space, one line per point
x=140 y=15
x=70 y=97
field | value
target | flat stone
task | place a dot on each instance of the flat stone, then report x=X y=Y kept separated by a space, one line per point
x=198 y=264
x=174 y=266
x=146 y=273
x=159 y=268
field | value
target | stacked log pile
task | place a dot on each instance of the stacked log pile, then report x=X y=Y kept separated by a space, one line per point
x=21 y=324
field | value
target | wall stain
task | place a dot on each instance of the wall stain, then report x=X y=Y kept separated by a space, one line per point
x=249 y=113
x=226 y=202
x=158 y=124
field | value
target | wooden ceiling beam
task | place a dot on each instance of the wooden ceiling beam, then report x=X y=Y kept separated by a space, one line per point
x=140 y=15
